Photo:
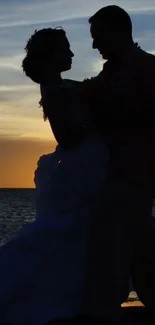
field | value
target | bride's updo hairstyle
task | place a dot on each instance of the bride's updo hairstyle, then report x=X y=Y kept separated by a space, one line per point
x=39 y=49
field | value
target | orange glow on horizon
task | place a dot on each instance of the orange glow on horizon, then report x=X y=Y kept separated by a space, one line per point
x=18 y=161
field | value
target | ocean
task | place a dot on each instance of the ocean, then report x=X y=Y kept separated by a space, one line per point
x=17 y=207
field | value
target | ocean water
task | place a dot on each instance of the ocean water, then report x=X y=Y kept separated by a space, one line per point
x=17 y=207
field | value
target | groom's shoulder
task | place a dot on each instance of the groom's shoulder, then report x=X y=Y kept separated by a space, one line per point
x=145 y=59
x=145 y=64
x=149 y=57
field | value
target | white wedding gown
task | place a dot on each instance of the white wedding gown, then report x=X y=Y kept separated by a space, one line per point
x=43 y=271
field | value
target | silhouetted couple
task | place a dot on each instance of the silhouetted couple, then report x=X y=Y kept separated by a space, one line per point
x=94 y=225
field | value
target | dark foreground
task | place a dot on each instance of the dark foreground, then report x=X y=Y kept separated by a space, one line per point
x=137 y=316
x=130 y=316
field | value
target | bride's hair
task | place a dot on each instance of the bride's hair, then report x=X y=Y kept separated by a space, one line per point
x=39 y=48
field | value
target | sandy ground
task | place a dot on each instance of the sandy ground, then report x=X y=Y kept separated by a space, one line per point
x=132 y=304
x=133 y=301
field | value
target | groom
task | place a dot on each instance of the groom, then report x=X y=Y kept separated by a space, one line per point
x=123 y=109
x=121 y=101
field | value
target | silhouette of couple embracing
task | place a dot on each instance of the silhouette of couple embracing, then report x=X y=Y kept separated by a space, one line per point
x=94 y=224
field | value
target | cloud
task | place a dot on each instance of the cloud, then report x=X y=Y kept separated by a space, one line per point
x=25 y=121
x=19 y=97
x=21 y=13
x=22 y=129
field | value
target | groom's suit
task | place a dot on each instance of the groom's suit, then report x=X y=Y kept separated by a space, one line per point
x=121 y=101
x=123 y=109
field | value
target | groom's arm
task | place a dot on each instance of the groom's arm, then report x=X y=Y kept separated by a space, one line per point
x=110 y=106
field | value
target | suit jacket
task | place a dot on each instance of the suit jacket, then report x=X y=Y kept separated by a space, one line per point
x=123 y=109
x=120 y=101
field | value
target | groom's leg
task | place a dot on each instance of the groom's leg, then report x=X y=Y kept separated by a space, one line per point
x=117 y=234
x=143 y=268
x=111 y=251
x=129 y=209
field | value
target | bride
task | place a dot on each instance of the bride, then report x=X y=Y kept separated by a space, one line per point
x=45 y=269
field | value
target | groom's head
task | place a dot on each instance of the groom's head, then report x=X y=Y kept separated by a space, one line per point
x=111 y=30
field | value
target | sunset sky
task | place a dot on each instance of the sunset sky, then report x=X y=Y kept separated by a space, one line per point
x=24 y=136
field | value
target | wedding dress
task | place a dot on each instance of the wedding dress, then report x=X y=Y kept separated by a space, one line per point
x=43 y=271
